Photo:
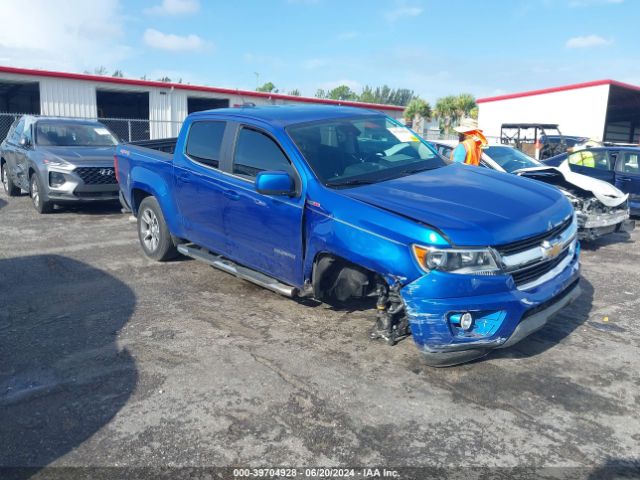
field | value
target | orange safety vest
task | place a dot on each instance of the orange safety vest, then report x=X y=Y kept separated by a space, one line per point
x=474 y=152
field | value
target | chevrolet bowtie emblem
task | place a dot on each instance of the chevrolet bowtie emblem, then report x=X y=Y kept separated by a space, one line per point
x=551 y=249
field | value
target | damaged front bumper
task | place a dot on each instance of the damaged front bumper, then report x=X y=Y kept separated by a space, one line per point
x=502 y=314
x=594 y=225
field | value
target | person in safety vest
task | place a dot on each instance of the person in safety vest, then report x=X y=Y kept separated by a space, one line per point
x=472 y=141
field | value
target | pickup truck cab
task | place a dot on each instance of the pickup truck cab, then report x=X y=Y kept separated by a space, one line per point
x=338 y=203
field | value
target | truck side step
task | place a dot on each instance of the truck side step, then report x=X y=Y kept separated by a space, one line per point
x=239 y=271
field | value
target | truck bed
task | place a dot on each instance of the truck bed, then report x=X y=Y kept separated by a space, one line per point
x=167 y=145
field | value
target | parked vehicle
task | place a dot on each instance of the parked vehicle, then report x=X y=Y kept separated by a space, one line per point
x=58 y=161
x=601 y=208
x=337 y=203
x=538 y=140
x=616 y=165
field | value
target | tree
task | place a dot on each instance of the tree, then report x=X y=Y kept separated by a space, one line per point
x=387 y=95
x=295 y=92
x=342 y=92
x=118 y=74
x=320 y=93
x=445 y=112
x=165 y=79
x=465 y=103
x=268 y=87
x=417 y=108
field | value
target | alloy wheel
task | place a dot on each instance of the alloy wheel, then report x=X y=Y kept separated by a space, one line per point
x=150 y=229
x=5 y=180
x=35 y=192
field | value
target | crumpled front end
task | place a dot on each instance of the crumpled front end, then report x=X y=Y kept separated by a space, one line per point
x=502 y=312
x=596 y=219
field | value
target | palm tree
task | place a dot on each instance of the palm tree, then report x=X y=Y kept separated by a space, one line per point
x=446 y=112
x=465 y=103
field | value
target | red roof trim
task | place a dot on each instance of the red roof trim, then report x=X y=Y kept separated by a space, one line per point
x=194 y=88
x=564 y=88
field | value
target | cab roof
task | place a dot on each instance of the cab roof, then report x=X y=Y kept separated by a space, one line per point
x=285 y=115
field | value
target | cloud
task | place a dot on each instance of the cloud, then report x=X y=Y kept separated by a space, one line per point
x=402 y=11
x=590 y=3
x=588 y=41
x=71 y=38
x=175 y=7
x=171 y=42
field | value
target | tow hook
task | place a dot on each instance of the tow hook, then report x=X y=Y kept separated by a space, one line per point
x=391 y=320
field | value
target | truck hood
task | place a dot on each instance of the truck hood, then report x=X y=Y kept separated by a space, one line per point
x=472 y=206
x=81 y=156
x=603 y=191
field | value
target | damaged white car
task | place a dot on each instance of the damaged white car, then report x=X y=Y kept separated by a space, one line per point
x=600 y=207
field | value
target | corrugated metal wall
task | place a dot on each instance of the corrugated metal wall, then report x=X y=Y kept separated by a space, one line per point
x=67 y=98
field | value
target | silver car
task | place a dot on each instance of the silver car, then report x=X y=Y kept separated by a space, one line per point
x=59 y=161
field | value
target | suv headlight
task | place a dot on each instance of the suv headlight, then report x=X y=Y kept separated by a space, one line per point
x=452 y=260
x=58 y=163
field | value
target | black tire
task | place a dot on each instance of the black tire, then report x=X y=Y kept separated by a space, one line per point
x=9 y=187
x=35 y=192
x=154 y=235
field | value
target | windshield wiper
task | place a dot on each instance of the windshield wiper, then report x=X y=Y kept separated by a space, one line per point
x=348 y=183
x=411 y=171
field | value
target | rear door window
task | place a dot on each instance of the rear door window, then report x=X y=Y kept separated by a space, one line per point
x=630 y=163
x=205 y=142
x=598 y=159
x=257 y=152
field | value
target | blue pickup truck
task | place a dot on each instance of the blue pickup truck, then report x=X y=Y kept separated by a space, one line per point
x=341 y=203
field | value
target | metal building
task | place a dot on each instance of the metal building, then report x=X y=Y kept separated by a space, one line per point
x=604 y=110
x=134 y=109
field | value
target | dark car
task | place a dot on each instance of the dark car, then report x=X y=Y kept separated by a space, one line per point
x=59 y=161
x=619 y=166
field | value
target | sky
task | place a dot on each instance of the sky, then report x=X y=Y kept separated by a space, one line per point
x=433 y=47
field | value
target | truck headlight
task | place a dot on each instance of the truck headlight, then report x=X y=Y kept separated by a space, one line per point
x=470 y=262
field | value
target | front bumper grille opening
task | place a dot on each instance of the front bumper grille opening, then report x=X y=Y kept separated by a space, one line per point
x=96 y=175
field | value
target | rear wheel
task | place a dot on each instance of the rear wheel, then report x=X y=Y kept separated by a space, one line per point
x=36 y=192
x=153 y=232
x=7 y=184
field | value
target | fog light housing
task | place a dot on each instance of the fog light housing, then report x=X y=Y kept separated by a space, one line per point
x=466 y=321
x=56 y=179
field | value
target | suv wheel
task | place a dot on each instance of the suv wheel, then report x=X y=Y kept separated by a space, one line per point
x=9 y=187
x=153 y=232
x=36 y=191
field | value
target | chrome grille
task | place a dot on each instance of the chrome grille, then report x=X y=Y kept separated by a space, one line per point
x=531 y=242
x=529 y=260
x=96 y=175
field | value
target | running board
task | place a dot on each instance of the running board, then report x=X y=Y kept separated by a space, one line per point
x=239 y=271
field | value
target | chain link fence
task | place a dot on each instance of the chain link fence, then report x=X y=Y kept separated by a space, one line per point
x=126 y=129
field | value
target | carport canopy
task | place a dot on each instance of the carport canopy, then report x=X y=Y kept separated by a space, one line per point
x=623 y=115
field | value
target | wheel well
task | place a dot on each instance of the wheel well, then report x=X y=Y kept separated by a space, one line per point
x=137 y=195
x=336 y=278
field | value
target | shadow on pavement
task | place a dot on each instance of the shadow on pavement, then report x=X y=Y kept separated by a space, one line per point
x=3 y=204
x=99 y=208
x=62 y=375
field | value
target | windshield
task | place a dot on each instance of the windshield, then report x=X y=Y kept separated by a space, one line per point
x=361 y=150
x=511 y=159
x=59 y=134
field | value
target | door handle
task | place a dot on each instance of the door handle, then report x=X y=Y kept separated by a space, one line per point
x=231 y=194
x=625 y=179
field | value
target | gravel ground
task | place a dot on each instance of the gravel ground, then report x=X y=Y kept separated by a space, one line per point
x=110 y=359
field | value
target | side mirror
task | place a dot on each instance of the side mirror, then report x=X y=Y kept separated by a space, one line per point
x=275 y=183
x=23 y=142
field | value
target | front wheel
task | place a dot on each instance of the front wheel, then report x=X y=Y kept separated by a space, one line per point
x=153 y=232
x=7 y=184
x=36 y=192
